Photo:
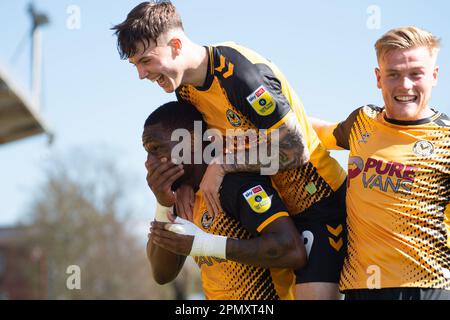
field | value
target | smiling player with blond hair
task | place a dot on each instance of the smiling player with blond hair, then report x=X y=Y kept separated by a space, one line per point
x=398 y=191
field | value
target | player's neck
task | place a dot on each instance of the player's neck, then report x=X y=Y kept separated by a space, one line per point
x=197 y=65
x=198 y=176
x=424 y=114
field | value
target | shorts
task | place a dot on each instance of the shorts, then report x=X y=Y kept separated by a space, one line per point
x=397 y=294
x=324 y=230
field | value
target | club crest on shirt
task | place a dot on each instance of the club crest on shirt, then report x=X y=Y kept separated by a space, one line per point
x=423 y=148
x=207 y=220
x=261 y=101
x=233 y=118
x=258 y=199
x=364 y=138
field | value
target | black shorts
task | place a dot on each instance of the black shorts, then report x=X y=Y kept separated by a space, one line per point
x=324 y=231
x=398 y=294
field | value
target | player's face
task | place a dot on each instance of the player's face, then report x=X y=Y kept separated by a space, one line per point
x=406 y=78
x=158 y=64
x=158 y=145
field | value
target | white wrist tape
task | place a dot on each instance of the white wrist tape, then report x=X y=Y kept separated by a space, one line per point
x=161 y=212
x=210 y=245
x=205 y=244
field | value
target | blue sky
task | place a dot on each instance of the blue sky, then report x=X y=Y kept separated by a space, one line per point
x=94 y=101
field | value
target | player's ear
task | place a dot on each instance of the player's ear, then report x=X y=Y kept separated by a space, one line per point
x=378 y=76
x=176 y=45
x=435 y=75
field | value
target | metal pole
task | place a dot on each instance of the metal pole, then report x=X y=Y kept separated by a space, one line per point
x=38 y=20
x=36 y=67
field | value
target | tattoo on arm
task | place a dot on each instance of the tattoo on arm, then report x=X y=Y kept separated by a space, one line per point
x=293 y=149
x=289 y=146
x=262 y=252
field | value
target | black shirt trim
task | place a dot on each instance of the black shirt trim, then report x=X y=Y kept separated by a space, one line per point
x=411 y=122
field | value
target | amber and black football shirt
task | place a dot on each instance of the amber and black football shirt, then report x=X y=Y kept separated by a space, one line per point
x=250 y=204
x=397 y=200
x=245 y=91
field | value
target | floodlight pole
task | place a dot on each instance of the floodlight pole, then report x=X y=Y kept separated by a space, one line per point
x=38 y=20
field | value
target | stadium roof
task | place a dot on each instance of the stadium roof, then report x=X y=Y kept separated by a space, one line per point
x=19 y=117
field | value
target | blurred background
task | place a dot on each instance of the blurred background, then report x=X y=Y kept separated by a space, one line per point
x=74 y=204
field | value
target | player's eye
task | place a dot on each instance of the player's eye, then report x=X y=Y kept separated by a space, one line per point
x=154 y=149
x=150 y=148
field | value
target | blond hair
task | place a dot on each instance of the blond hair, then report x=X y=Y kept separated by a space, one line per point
x=407 y=38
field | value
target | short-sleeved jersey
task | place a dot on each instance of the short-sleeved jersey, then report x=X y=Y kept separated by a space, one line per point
x=250 y=204
x=244 y=91
x=397 y=200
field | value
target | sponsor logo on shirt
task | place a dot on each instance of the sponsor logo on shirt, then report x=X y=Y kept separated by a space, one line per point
x=208 y=261
x=258 y=199
x=380 y=174
x=261 y=101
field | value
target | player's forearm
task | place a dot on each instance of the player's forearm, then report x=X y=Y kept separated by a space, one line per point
x=318 y=125
x=279 y=244
x=293 y=149
x=165 y=264
x=324 y=131
x=268 y=251
x=289 y=148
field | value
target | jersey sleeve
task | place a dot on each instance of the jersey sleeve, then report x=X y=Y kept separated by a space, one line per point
x=252 y=200
x=252 y=88
x=335 y=136
x=324 y=131
x=341 y=132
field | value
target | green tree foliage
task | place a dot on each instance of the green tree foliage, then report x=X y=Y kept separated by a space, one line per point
x=80 y=217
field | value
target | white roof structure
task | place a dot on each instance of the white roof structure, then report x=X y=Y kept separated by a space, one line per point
x=19 y=115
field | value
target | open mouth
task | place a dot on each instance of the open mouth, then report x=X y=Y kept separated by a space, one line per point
x=405 y=99
x=159 y=79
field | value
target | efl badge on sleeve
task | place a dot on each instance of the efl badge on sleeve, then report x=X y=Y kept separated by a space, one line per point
x=262 y=101
x=258 y=199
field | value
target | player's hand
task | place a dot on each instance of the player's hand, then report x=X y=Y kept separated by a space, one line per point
x=170 y=241
x=161 y=174
x=210 y=186
x=184 y=202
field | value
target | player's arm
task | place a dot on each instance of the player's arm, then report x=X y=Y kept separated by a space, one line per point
x=288 y=151
x=336 y=136
x=257 y=93
x=324 y=130
x=289 y=142
x=279 y=244
x=165 y=264
x=160 y=177
x=258 y=207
